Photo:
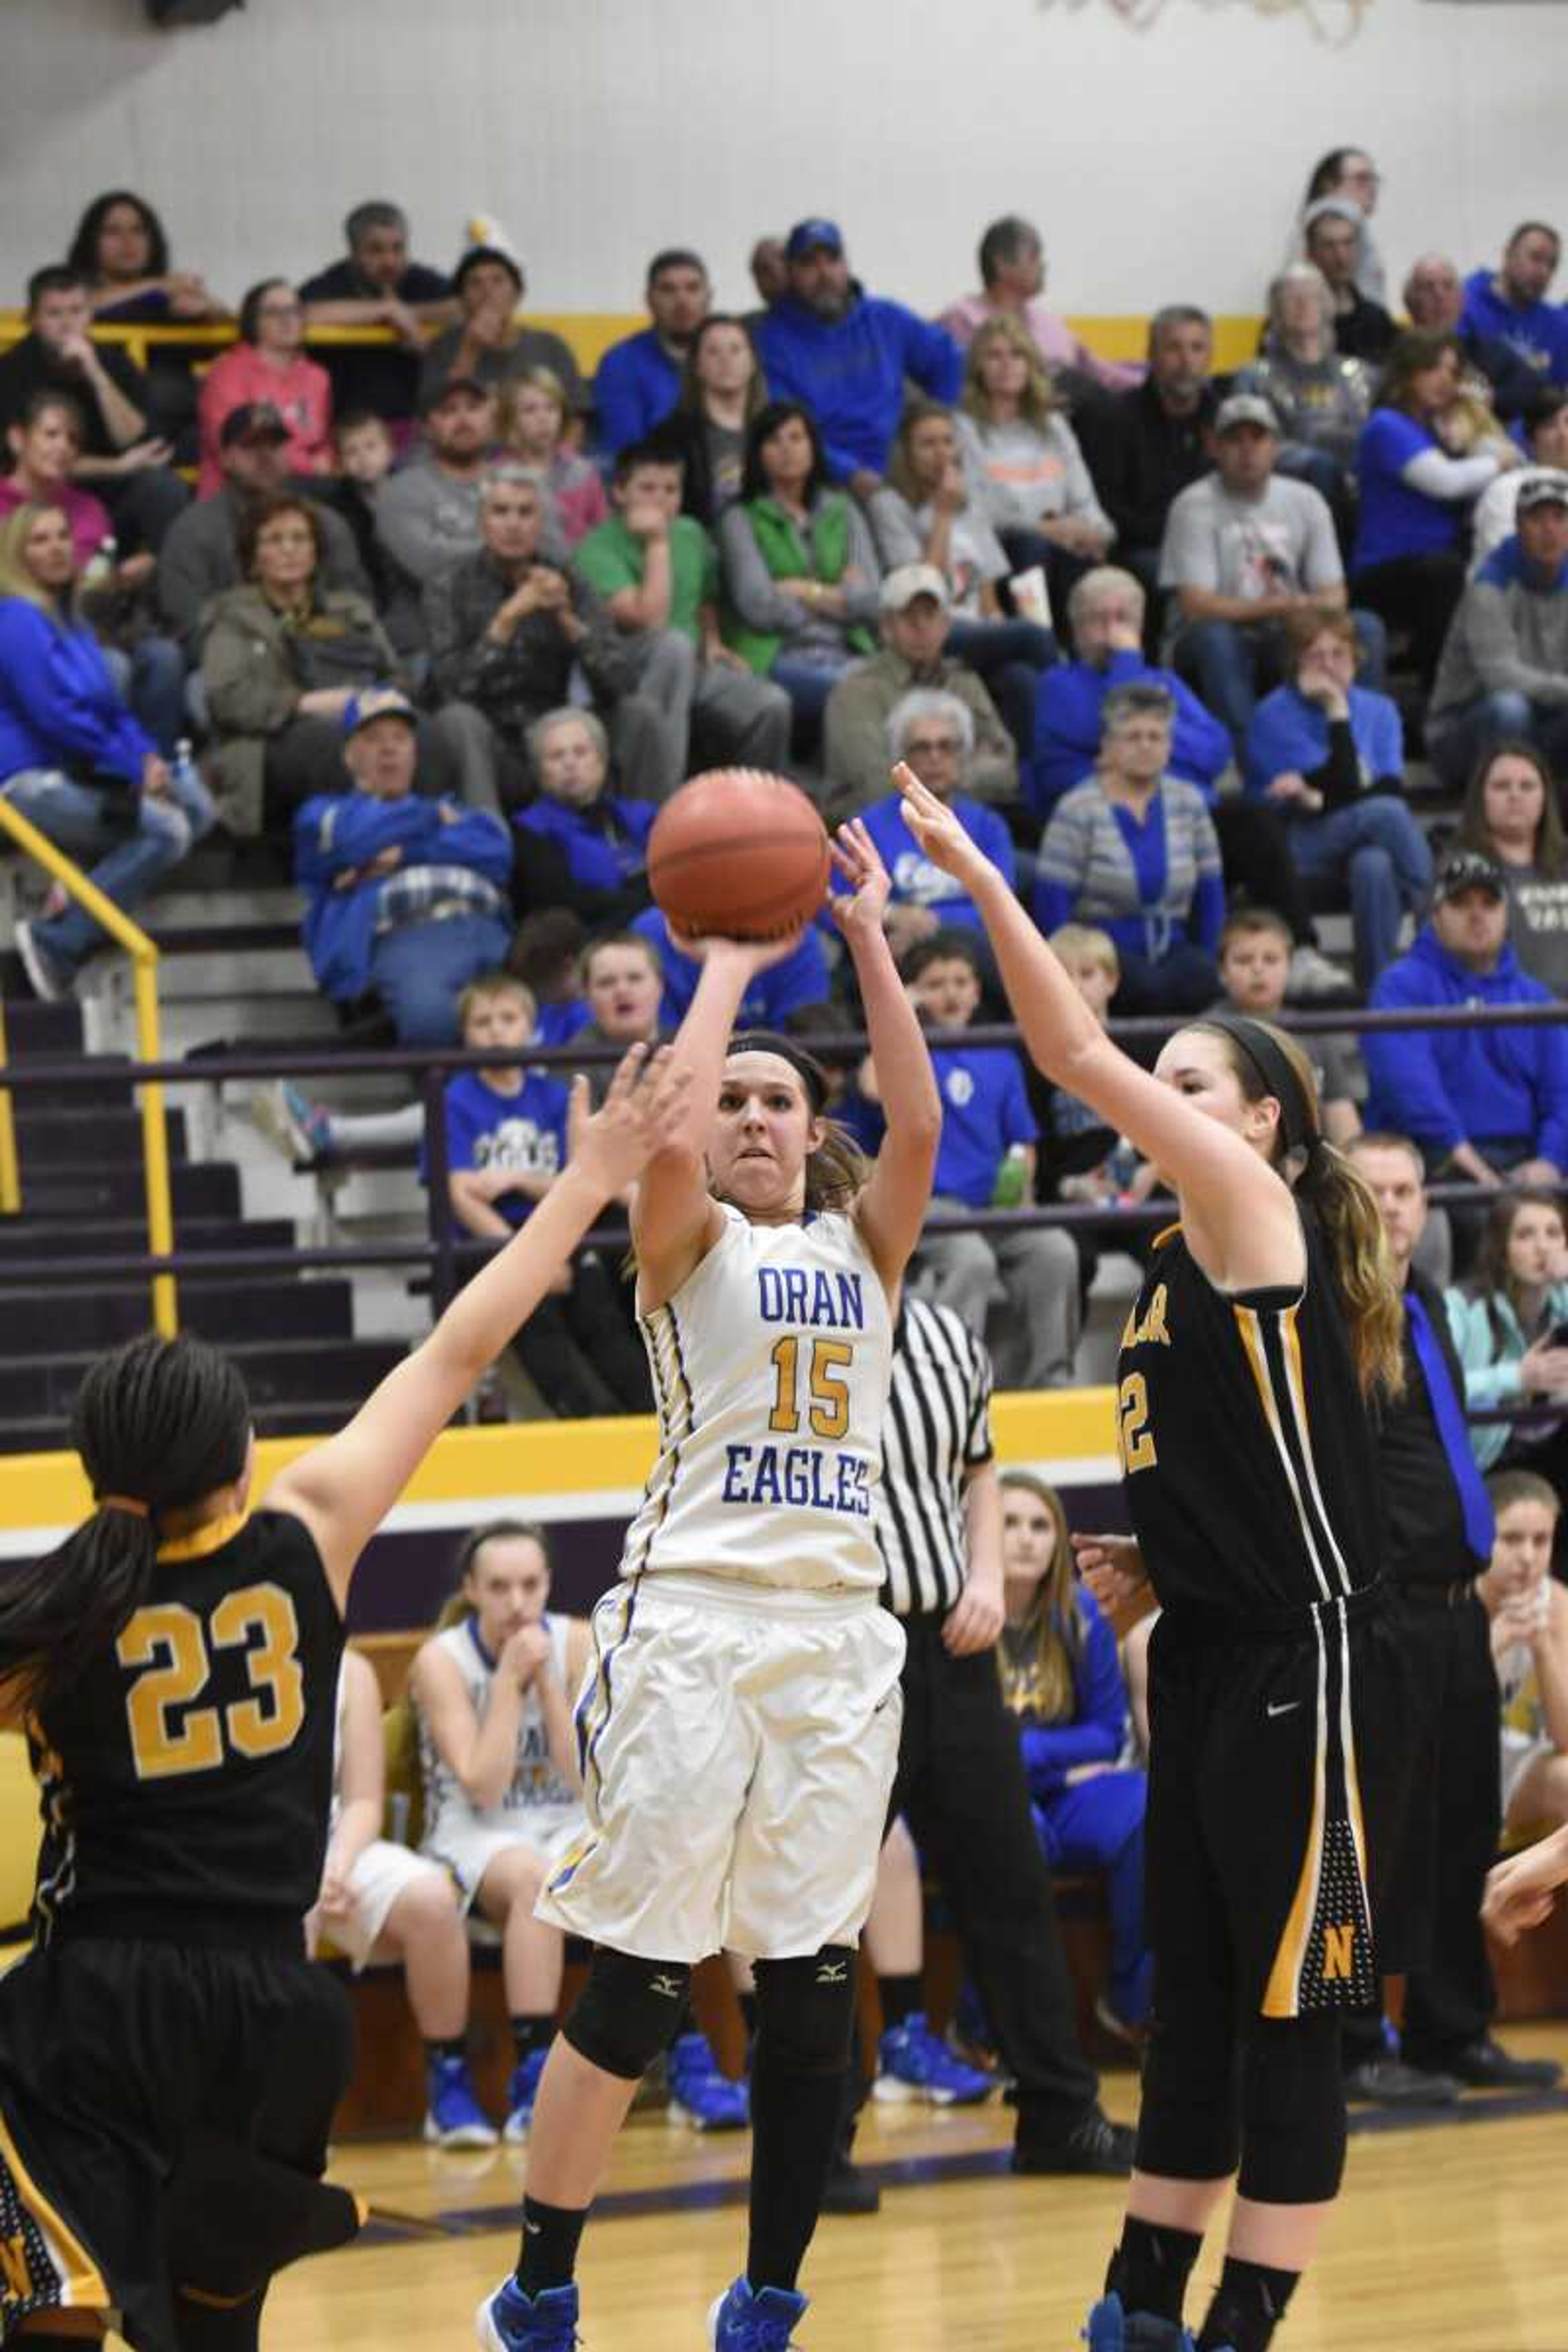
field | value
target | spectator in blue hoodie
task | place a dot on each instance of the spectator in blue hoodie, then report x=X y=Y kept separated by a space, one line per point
x=846 y=354
x=1330 y=755
x=1479 y=1103
x=582 y=846
x=404 y=896
x=72 y=758
x=638 y=381
x=1510 y=302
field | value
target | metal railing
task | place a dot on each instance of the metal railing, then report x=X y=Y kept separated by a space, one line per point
x=143 y=955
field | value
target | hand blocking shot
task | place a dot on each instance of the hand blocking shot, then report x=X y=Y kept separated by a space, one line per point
x=1282 y=1767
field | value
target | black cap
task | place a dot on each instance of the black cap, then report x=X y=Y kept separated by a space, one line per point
x=1467 y=869
x=444 y=391
x=255 y=420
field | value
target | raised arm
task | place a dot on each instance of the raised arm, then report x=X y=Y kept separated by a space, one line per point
x=1240 y=1221
x=675 y=1219
x=344 y=1488
x=891 y=1209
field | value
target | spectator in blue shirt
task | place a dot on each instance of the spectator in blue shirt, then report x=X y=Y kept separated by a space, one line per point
x=403 y=895
x=1330 y=755
x=935 y=733
x=1479 y=1103
x=789 y=995
x=986 y=1156
x=638 y=381
x=1062 y=1680
x=1408 y=563
x=582 y=847
x=846 y=354
x=1510 y=302
x=506 y=1144
x=1133 y=852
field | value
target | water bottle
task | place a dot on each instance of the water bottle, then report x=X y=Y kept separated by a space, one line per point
x=1123 y=1165
x=1012 y=1180
x=100 y=564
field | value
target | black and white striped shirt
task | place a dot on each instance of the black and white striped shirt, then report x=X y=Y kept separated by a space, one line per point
x=937 y=1430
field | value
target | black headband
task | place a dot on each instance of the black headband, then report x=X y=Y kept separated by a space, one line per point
x=808 y=1069
x=1275 y=1072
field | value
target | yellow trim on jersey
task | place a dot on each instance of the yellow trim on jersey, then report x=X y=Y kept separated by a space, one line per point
x=1166 y=1233
x=210 y=1537
x=1251 y=1329
x=81 y=2280
x=1282 y=1994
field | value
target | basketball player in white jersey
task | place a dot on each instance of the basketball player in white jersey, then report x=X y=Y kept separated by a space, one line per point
x=498 y=1763
x=739 y=1728
x=380 y=1902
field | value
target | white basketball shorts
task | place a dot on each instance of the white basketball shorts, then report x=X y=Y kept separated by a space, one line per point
x=739 y=1747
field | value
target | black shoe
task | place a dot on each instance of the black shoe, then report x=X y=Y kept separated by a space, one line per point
x=1095 y=2144
x=850 y=2191
x=1390 y=2083
x=1486 y=2065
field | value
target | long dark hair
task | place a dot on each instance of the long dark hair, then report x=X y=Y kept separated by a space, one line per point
x=250 y=307
x=1491 y=1277
x=837 y=1170
x=160 y=1422
x=1409 y=355
x=83 y=254
x=755 y=482
x=1547 y=852
x=691 y=399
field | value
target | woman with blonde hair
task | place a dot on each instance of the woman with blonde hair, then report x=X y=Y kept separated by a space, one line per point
x=1060 y=1677
x=1283 y=1756
x=1015 y=438
x=535 y=415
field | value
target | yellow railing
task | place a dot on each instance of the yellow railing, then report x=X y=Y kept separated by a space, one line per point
x=10 y=1182
x=143 y=957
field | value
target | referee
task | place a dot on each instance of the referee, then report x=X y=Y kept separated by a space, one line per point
x=961 y=1782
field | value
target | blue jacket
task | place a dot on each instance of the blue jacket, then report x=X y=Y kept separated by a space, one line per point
x=850 y=372
x=1066 y=729
x=1505 y=567
x=1538 y=334
x=59 y=707
x=1444 y=1086
x=634 y=390
x=1287 y=732
x=801 y=979
x=916 y=881
x=336 y=831
x=1099 y=1725
x=605 y=846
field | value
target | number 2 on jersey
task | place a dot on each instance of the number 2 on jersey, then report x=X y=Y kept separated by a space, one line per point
x=169 y=1642
x=827 y=1379
x=1134 y=1438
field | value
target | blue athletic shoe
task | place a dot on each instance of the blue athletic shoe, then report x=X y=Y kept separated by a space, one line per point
x=742 y=2321
x=700 y=2093
x=1111 y=2329
x=912 y=2064
x=511 y=2320
x=454 y=2117
x=520 y=2094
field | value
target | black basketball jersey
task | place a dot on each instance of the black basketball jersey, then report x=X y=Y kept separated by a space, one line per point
x=187 y=1778
x=1247 y=1454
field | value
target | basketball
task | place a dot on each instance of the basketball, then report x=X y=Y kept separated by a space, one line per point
x=739 y=854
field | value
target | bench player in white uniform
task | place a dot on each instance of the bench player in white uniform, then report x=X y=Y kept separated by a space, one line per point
x=380 y=1902
x=739 y=1730
x=493 y=1697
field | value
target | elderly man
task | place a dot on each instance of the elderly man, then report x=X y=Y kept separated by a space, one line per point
x=201 y=554
x=934 y=732
x=506 y=629
x=1434 y=298
x=404 y=896
x=1144 y=447
x=1504 y=669
x=1332 y=228
x=427 y=515
x=489 y=344
x=847 y=355
x=1244 y=548
x=376 y=285
x=1013 y=280
x=916 y=615
x=638 y=381
x=121 y=462
x=1511 y=302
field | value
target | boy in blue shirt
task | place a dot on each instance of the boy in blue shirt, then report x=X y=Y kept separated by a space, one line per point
x=506 y=1144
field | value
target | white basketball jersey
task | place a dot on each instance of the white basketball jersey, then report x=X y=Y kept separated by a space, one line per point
x=770 y=1366
x=537 y=1799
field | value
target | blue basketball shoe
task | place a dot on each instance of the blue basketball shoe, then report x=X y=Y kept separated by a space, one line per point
x=511 y=2320
x=913 y=2063
x=744 y=2321
x=454 y=2117
x=701 y=2093
x=520 y=2094
x=1110 y=2329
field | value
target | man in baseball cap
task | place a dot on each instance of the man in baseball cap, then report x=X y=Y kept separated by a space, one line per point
x=1504 y=670
x=847 y=354
x=916 y=615
x=253 y=422
x=428 y=516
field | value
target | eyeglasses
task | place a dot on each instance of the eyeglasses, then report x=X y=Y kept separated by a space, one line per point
x=926 y=743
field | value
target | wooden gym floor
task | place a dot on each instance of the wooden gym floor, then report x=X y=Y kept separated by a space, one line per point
x=1452 y=2236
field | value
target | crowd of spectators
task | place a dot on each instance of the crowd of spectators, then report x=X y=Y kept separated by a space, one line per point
x=447 y=620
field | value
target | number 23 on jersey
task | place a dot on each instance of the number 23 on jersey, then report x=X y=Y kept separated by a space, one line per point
x=174 y=1646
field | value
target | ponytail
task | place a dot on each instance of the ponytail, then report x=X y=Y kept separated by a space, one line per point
x=158 y=1424
x=1351 y=1225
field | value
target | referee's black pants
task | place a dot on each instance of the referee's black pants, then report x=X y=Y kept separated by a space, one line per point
x=960 y=1787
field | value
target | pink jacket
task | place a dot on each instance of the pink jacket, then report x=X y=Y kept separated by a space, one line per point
x=302 y=392
x=1054 y=339
x=88 y=517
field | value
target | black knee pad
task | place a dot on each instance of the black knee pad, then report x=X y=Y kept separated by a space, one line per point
x=627 y=2011
x=1189 y=2119
x=1292 y=2111
x=806 y=2011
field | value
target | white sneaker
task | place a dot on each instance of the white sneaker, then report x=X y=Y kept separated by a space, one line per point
x=1312 y=975
x=51 y=981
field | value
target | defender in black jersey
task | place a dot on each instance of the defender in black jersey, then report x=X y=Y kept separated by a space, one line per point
x=169 y=2061
x=1279 y=1772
